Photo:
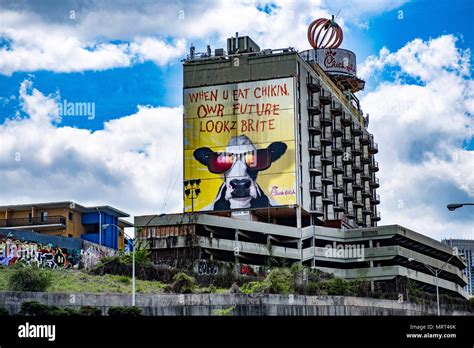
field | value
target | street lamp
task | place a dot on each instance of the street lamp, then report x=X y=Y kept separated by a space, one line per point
x=454 y=206
x=436 y=272
x=192 y=190
x=104 y=226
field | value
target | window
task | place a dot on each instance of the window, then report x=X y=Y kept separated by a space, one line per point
x=30 y=218
x=71 y=216
x=44 y=216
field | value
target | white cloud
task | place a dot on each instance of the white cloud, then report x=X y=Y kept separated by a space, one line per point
x=118 y=34
x=127 y=164
x=421 y=129
x=35 y=45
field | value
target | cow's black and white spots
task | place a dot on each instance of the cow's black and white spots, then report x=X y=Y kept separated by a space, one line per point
x=239 y=166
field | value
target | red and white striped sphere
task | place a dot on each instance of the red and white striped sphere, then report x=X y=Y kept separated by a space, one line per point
x=325 y=33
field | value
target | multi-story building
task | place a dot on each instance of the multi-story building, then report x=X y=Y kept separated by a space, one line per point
x=466 y=248
x=68 y=219
x=332 y=152
x=279 y=164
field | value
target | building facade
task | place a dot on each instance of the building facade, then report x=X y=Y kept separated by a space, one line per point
x=279 y=166
x=376 y=254
x=68 y=219
x=466 y=248
x=330 y=168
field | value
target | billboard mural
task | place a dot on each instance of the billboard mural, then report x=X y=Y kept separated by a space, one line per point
x=239 y=140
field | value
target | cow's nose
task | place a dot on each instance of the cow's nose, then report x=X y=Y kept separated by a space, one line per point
x=240 y=183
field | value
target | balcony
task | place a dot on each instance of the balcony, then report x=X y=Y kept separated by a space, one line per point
x=313 y=85
x=313 y=148
x=357 y=203
x=314 y=128
x=375 y=199
x=365 y=139
x=373 y=148
x=364 y=158
x=375 y=183
x=350 y=213
x=365 y=176
x=356 y=185
x=325 y=119
x=366 y=193
x=337 y=187
x=316 y=189
x=346 y=119
x=46 y=221
x=313 y=107
x=356 y=150
x=326 y=159
x=337 y=148
x=337 y=168
x=325 y=97
x=336 y=108
x=366 y=211
x=315 y=168
x=336 y=130
x=356 y=130
x=347 y=159
x=339 y=207
x=316 y=210
x=357 y=168
x=346 y=141
x=328 y=199
x=374 y=166
x=347 y=177
x=376 y=216
x=327 y=180
x=361 y=222
x=326 y=139
x=348 y=195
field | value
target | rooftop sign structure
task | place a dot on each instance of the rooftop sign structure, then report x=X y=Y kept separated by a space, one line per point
x=325 y=36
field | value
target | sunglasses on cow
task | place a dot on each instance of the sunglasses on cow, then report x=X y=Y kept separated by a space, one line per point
x=221 y=162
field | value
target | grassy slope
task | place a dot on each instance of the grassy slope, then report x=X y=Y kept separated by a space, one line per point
x=77 y=281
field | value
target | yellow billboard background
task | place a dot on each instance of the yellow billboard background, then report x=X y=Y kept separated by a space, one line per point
x=261 y=110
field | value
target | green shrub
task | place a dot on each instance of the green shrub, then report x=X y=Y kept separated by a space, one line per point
x=183 y=283
x=253 y=287
x=279 y=281
x=29 y=279
x=316 y=288
x=337 y=286
x=35 y=308
x=126 y=311
x=3 y=311
x=122 y=266
x=90 y=311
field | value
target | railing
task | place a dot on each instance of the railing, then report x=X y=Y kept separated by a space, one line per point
x=45 y=220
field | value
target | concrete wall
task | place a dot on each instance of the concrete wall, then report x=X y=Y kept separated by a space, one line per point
x=209 y=304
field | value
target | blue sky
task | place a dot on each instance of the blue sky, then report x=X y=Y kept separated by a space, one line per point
x=126 y=59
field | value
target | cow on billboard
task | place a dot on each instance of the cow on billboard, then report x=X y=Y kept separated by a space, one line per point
x=239 y=165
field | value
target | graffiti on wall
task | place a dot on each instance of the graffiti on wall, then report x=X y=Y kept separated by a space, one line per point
x=27 y=253
x=44 y=256
x=208 y=268
x=92 y=253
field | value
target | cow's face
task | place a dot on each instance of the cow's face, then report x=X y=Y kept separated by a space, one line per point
x=239 y=166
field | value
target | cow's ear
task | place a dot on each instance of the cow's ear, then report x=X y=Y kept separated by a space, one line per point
x=277 y=149
x=201 y=155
